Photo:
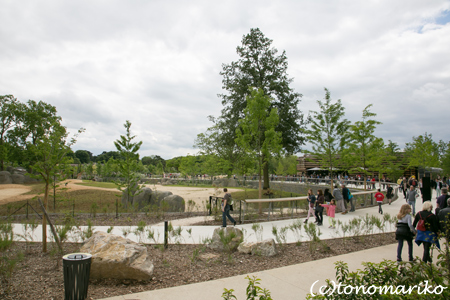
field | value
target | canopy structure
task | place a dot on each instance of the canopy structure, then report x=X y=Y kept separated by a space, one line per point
x=315 y=169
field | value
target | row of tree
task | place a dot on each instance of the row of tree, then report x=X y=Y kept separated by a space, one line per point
x=261 y=119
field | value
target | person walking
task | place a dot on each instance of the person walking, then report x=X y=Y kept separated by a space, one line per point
x=438 y=188
x=379 y=197
x=444 y=220
x=389 y=193
x=411 y=198
x=311 y=201
x=226 y=207
x=339 y=199
x=348 y=197
x=427 y=225
x=319 y=209
x=331 y=211
x=404 y=186
x=405 y=231
x=441 y=201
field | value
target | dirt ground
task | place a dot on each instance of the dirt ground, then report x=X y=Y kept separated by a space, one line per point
x=39 y=276
x=15 y=192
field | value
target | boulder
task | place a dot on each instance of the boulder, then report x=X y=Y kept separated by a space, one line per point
x=246 y=247
x=217 y=244
x=118 y=258
x=175 y=203
x=265 y=248
x=5 y=177
x=143 y=197
x=158 y=196
x=126 y=199
x=18 y=178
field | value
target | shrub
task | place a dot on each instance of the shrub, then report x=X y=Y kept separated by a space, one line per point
x=253 y=291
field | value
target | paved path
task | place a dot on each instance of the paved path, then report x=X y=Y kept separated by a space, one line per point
x=196 y=234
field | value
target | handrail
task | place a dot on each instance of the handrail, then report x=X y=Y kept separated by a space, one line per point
x=297 y=198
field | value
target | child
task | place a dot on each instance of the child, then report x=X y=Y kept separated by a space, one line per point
x=331 y=210
x=379 y=197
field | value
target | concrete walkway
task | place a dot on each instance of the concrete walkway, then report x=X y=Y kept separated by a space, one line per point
x=286 y=283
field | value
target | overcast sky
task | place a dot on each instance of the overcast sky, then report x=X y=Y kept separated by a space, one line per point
x=157 y=63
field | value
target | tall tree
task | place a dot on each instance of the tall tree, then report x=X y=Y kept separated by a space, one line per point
x=218 y=140
x=327 y=131
x=128 y=164
x=256 y=133
x=423 y=152
x=50 y=151
x=84 y=156
x=8 y=119
x=261 y=67
x=35 y=119
x=362 y=144
x=446 y=158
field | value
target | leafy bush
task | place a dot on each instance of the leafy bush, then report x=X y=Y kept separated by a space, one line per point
x=253 y=291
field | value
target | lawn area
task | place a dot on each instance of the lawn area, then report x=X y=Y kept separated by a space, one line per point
x=108 y=185
x=82 y=201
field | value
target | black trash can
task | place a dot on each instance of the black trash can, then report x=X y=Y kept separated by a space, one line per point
x=76 y=268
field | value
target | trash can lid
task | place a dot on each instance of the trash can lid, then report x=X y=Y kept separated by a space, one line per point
x=77 y=256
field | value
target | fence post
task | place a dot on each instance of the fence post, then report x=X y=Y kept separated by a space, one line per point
x=210 y=205
x=240 y=211
x=166 y=234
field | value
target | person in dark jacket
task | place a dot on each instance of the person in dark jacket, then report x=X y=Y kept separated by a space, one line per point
x=444 y=220
x=405 y=231
x=428 y=236
x=346 y=194
x=319 y=209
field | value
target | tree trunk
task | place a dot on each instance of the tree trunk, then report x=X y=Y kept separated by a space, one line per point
x=266 y=176
x=44 y=220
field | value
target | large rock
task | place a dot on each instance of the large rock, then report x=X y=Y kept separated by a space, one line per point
x=264 y=248
x=18 y=178
x=218 y=244
x=116 y=257
x=5 y=177
x=174 y=203
x=246 y=247
x=143 y=197
x=126 y=199
x=158 y=196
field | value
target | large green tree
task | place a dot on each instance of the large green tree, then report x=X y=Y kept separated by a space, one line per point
x=8 y=118
x=51 y=160
x=257 y=133
x=261 y=67
x=327 y=133
x=423 y=152
x=363 y=145
x=34 y=120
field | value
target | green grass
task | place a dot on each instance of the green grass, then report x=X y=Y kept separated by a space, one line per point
x=108 y=185
x=83 y=200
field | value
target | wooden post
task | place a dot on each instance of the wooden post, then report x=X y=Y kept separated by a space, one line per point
x=51 y=226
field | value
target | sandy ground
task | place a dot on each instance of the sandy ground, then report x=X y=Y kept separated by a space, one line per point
x=14 y=192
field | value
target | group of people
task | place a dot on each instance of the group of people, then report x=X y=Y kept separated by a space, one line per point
x=426 y=227
x=338 y=199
